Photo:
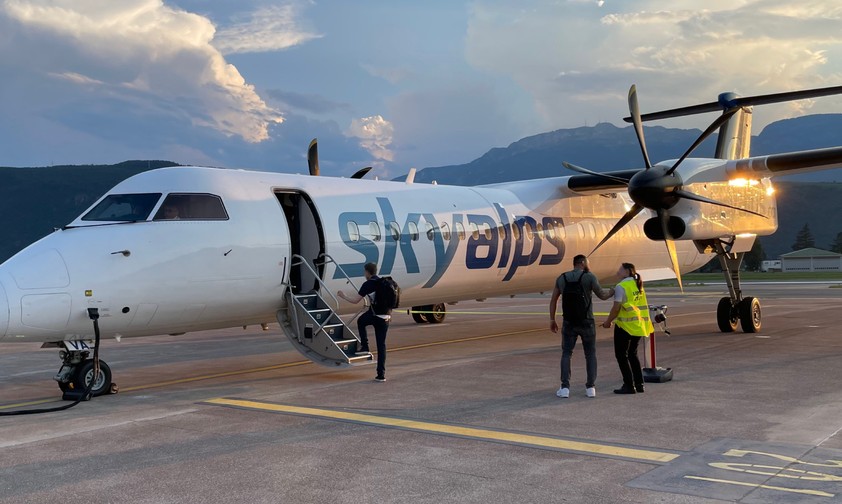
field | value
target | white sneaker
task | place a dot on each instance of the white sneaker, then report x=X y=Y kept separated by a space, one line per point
x=590 y=392
x=563 y=392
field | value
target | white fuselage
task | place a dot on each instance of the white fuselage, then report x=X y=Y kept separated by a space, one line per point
x=440 y=243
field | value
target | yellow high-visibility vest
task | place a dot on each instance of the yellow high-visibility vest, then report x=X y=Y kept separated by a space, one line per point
x=634 y=312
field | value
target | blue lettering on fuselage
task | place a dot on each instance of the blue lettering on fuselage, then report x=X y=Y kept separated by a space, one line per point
x=518 y=242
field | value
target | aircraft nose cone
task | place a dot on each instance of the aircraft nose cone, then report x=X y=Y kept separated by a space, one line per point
x=4 y=312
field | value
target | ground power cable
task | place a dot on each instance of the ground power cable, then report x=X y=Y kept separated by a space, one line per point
x=93 y=313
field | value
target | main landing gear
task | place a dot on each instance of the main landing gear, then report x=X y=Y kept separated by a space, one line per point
x=429 y=314
x=735 y=308
x=77 y=371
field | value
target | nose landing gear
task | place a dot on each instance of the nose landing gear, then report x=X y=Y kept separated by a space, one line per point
x=77 y=371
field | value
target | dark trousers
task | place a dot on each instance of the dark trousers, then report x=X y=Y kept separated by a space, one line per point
x=625 y=349
x=380 y=328
x=587 y=331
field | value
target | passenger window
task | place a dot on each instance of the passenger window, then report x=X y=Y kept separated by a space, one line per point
x=191 y=207
x=539 y=230
x=460 y=231
x=550 y=231
x=501 y=231
x=474 y=231
x=374 y=230
x=527 y=231
x=413 y=231
x=353 y=231
x=395 y=231
x=123 y=208
x=486 y=229
x=515 y=231
x=445 y=231
x=430 y=229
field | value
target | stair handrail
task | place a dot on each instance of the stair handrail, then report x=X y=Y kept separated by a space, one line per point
x=300 y=260
x=326 y=258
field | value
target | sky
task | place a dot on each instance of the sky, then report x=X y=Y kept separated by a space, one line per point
x=393 y=85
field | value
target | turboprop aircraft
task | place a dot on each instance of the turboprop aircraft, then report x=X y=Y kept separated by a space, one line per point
x=192 y=248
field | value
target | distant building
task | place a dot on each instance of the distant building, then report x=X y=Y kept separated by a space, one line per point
x=771 y=265
x=811 y=259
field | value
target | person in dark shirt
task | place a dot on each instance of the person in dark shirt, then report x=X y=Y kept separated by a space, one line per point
x=376 y=316
x=586 y=329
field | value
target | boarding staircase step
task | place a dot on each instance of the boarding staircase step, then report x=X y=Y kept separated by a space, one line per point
x=318 y=332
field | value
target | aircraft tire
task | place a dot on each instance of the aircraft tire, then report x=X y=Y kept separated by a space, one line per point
x=750 y=315
x=439 y=312
x=85 y=372
x=419 y=318
x=726 y=316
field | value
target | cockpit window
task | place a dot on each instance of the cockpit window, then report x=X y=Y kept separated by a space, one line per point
x=181 y=206
x=123 y=208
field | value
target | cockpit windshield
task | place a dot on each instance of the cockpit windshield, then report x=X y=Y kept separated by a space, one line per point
x=123 y=208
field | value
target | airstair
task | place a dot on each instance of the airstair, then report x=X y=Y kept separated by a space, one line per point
x=312 y=323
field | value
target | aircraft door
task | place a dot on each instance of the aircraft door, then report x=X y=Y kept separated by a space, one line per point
x=306 y=239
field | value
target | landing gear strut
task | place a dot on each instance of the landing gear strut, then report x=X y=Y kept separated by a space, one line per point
x=734 y=309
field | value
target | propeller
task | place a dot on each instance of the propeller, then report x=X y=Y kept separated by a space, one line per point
x=313 y=161
x=361 y=172
x=659 y=188
x=585 y=171
x=313 y=157
x=638 y=124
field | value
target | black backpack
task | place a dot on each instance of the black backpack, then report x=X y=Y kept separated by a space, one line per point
x=574 y=301
x=387 y=296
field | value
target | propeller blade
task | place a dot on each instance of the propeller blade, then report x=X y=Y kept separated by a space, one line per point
x=746 y=101
x=313 y=157
x=597 y=174
x=361 y=172
x=631 y=214
x=664 y=218
x=750 y=101
x=638 y=124
x=681 y=193
x=713 y=127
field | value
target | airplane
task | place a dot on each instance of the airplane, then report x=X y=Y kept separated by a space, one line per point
x=182 y=249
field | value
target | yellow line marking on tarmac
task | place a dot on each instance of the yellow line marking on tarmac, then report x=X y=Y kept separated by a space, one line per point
x=30 y=403
x=274 y=367
x=449 y=312
x=531 y=440
x=817 y=493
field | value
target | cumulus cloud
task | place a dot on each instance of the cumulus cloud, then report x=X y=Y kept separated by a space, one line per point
x=266 y=29
x=151 y=58
x=375 y=135
x=577 y=63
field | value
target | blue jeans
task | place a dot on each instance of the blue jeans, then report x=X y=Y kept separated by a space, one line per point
x=380 y=328
x=569 y=332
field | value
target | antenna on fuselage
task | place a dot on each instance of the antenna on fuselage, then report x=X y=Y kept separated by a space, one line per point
x=410 y=177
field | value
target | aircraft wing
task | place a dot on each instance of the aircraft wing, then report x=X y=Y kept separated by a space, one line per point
x=788 y=163
x=706 y=170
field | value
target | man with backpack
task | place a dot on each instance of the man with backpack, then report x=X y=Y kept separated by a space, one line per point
x=575 y=288
x=384 y=296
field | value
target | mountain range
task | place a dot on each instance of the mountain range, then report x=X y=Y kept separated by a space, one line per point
x=34 y=201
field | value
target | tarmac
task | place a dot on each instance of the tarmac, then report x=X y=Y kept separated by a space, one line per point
x=468 y=414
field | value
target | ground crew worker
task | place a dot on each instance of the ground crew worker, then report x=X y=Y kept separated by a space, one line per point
x=631 y=312
x=575 y=288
